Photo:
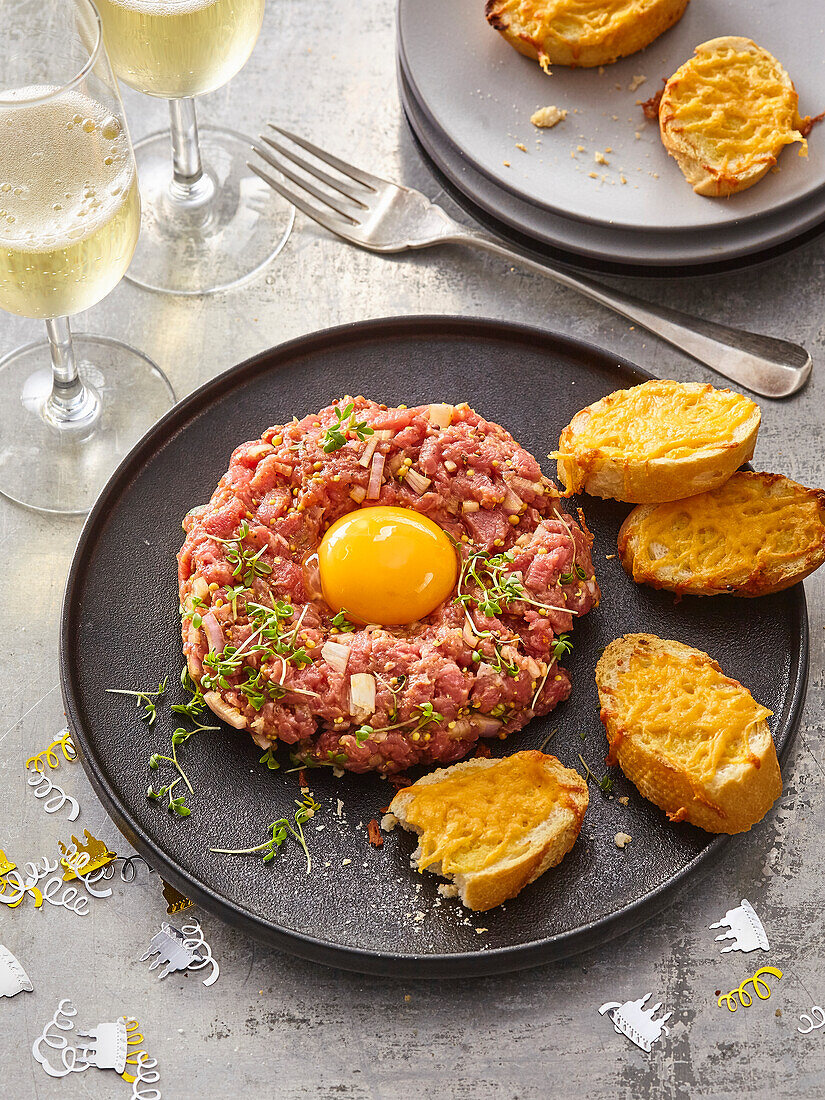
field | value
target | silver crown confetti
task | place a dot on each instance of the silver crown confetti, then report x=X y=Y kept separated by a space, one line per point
x=631 y=1019
x=13 y=978
x=744 y=928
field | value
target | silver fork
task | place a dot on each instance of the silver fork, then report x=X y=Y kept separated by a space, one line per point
x=382 y=216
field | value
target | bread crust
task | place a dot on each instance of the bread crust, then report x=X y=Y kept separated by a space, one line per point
x=636 y=479
x=550 y=840
x=735 y=798
x=534 y=28
x=716 y=177
x=770 y=569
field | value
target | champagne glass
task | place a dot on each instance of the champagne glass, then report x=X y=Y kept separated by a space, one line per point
x=209 y=222
x=69 y=221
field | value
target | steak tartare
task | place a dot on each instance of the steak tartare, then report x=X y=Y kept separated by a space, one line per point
x=272 y=657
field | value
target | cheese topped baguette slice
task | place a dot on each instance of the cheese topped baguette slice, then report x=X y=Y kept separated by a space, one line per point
x=756 y=534
x=727 y=114
x=493 y=826
x=693 y=740
x=658 y=441
x=582 y=33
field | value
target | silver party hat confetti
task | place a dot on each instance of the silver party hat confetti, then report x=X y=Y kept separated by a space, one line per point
x=744 y=928
x=631 y=1019
x=13 y=978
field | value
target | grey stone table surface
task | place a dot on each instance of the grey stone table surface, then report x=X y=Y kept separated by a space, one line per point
x=274 y=1026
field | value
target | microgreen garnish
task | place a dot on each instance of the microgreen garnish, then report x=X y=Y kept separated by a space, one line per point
x=268 y=758
x=194 y=708
x=193 y=613
x=605 y=783
x=146 y=699
x=280 y=830
x=562 y=646
x=232 y=595
x=497 y=584
x=247 y=562
x=342 y=622
x=176 y=805
x=336 y=434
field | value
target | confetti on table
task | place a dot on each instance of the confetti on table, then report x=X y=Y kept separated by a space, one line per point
x=631 y=1019
x=107 y=1049
x=62 y=1021
x=13 y=978
x=176 y=902
x=81 y=860
x=13 y=888
x=741 y=993
x=744 y=928
x=815 y=1019
x=48 y=756
x=181 y=950
x=56 y=797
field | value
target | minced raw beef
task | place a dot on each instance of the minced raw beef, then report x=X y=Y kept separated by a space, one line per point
x=257 y=633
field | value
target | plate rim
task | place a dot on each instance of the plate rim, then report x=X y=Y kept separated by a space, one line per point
x=385 y=963
x=509 y=188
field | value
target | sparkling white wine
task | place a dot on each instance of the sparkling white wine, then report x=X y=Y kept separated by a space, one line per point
x=69 y=205
x=177 y=48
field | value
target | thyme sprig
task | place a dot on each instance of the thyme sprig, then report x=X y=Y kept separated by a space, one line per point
x=345 y=424
x=307 y=807
x=147 y=699
x=605 y=783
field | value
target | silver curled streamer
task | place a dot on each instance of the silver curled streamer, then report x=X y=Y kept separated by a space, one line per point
x=62 y=1020
x=193 y=939
x=35 y=874
x=147 y=1074
x=816 y=1013
x=76 y=861
x=127 y=865
x=43 y=788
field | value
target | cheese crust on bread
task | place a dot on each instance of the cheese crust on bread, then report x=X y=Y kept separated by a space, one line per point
x=581 y=33
x=493 y=826
x=658 y=441
x=756 y=534
x=692 y=740
x=726 y=115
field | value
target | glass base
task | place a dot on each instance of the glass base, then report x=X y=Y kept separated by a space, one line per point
x=62 y=467
x=221 y=234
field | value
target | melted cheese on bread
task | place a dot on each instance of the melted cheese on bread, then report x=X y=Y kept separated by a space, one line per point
x=469 y=820
x=726 y=115
x=756 y=533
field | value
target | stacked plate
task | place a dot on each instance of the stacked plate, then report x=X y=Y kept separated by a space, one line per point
x=598 y=190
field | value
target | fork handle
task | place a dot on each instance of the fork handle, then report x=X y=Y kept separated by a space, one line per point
x=764 y=364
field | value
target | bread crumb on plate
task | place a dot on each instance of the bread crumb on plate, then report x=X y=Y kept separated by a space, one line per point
x=545 y=117
x=636 y=82
x=621 y=840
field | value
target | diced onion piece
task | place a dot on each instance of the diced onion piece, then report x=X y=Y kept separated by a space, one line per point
x=460 y=729
x=224 y=710
x=486 y=726
x=395 y=463
x=214 y=633
x=417 y=482
x=376 y=477
x=470 y=506
x=533 y=668
x=200 y=588
x=369 y=449
x=260 y=450
x=470 y=636
x=512 y=503
x=384 y=434
x=440 y=415
x=450 y=465
x=198 y=510
x=358 y=493
x=361 y=693
x=336 y=655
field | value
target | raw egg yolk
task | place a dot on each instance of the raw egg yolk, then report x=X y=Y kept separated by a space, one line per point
x=386 y=565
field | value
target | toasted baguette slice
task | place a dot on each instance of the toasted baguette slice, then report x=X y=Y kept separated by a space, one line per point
x=727 y=114
x=658 y=441
x=693 y=740
x=493 y=826
x=757 y=533
x=581 y=33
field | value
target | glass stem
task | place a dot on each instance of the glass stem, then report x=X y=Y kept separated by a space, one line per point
x=70 y=401
x=191 y=186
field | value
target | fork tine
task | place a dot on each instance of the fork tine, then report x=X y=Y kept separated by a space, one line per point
x=327 y=200
x=334 y=162
x=313 y=170
x=333 y=224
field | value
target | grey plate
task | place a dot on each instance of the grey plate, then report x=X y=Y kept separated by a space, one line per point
x=360 y=907
x=601 y=247
x=475 y=88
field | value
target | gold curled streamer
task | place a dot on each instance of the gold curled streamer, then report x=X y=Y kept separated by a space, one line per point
x=741 y=992
x=49 y=756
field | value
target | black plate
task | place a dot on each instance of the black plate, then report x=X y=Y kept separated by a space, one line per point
x=120 y=628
